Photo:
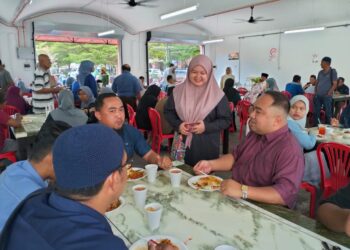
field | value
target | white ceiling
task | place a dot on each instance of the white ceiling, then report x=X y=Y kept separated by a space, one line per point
x=206 y=21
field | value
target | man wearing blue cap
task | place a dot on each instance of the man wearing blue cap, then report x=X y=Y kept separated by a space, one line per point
x=89 y=177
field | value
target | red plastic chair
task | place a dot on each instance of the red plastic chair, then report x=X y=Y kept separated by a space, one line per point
x=157 y=133
x=313 y=191
x=132 y=115
x=243 y=114
x=11 y=156
x=338 y=158
x=242 y=91
x=27 y=94
x=232 y=108
x=10 y=110
x=286 y=94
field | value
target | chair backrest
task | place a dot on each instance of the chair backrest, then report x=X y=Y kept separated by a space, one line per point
x=156 y=122
x=242 y=91
x=10 y=110
x=338 y=158
x=132 y=115
x=310 y=97
x=243 y=110
x=231 y=105
x=286 y=94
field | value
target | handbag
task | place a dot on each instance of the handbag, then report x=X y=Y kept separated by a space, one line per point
x=178 y=148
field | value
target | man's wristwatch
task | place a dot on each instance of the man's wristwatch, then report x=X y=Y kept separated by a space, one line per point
x=244 y=190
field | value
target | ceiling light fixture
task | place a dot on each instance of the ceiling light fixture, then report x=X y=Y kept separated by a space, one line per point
x=213 y=41
x=105 y=33
x=304 y=30
x=179 y=12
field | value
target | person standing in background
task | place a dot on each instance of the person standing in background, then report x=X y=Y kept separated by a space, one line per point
x=85 y=78
x=104 y=77
x=44 y=85
x=5 y=78
x=228 y=75
x=325 y=86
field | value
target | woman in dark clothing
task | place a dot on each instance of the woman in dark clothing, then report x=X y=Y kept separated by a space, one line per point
x=233 y=96
x=13 y=98
x=148 y=100
x=199 y=110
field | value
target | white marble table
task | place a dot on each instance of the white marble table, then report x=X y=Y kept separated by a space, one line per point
x=210 y=219
x=31 y=125
x=336 y=135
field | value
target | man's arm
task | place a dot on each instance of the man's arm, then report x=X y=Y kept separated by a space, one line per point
x=262 y=194
x=335 y=218
x=15 y=122
x=333 y=88
x=223 y=163
x=48 y=90
x=163 y=162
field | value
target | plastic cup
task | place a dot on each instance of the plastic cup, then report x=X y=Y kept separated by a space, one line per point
x=151 y=172
x=175 y=177
x=154 y=213
x=321 y=129
x=140 y=195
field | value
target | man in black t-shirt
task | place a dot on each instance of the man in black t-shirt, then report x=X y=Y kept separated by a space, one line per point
x=334 y=212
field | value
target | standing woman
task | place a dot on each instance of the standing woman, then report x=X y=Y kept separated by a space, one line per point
x=85 y=78
x=199 y=110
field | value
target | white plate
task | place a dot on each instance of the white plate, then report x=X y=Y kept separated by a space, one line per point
x=138 y=169
x=191 y=182
x=141 y=244
x=122 y=203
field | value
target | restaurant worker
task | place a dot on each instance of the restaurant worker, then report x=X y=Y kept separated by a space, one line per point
x=23 y=177
x=110 y=112
x=334 y=212
x=269 y=165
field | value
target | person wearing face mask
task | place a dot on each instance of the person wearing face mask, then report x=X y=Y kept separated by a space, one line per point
x=199 y=110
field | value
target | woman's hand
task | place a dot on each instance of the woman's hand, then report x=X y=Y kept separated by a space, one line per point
x=198 y=128
x=183 y=129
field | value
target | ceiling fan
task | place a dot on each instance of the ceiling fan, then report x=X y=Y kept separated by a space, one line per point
x=252 y=19
x=143 y=3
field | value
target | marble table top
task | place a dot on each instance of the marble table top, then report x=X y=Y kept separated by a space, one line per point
x=212 y=219
x=31 y=125
x=335 y=135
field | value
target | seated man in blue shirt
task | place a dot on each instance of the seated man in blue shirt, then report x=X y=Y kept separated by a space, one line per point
x=24 y=177
x=295 y=88
x=109 y=110
x=334 y=212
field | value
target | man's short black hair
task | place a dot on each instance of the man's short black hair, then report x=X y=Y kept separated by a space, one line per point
x=171 y=65
x=327 y=59
x=100 y=98
x=169 y=77
x=265 y=75
x=279 y=100
x=126 y=67
x=296 y=78
x=142 y=78
x=313 y=76
x=46 y=138
x=341 y=78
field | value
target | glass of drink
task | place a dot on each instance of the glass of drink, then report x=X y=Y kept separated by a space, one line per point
x=153 y=212
x=321 y=129
x=140 y=195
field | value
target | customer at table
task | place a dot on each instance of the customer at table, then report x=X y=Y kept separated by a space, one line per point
x=23 y=177
x=294 y=87
x=66 y=111
x=271 y=85
x=199 y=110
x=344 y=121
x=7 y=144
x=148 y=100
x=268 y=166
x=233 y=96
x=166 y=127
x=13 y=98
x=341 y=89
x=110 y=111
x=309 y=88
x=87 y=101
x=73 y=213
x=334 y=212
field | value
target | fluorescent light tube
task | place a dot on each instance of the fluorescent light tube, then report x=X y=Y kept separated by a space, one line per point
x=213 y=41
x=108 y=32
x=304 y=30
x=179 y=12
